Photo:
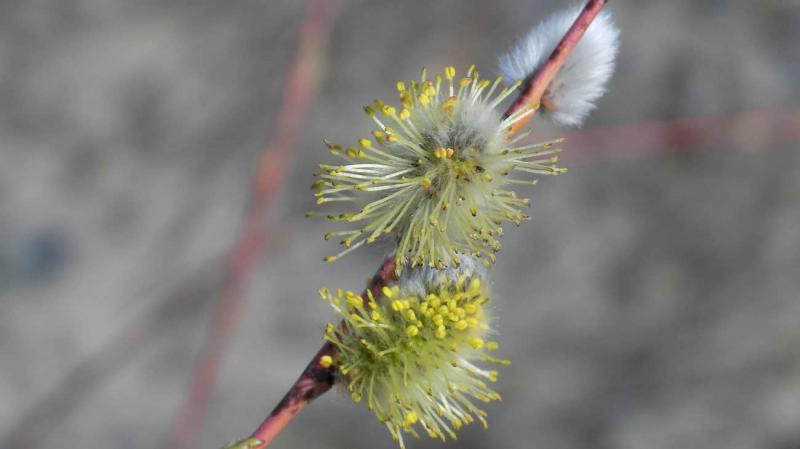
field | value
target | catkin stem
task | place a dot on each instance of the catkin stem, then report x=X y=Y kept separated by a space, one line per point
x=316 y=379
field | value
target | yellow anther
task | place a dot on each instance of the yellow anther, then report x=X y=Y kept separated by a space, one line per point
x=375 y=315
x=461 y=325
x=493 y=376
x=465 y=82
x=411 y=315
x=441 y=333
x=401 y=86
x=423 y=99
x=440 y=152
x=405 y=114
x=412 y=331
x=354 y=300
x=364 y=142
x=388 y=110
x=326 y=361
x=449 y=105
x=429 y=90
x=425 y=183
x=437 y=320
x=450 y=152
x=476 y=343
x=449 y=72
x=354 y=152
x=472 y=322
x=492 y=345
x=474 y=285
x=387 y=292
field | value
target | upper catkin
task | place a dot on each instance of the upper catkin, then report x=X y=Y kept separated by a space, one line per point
x=583 y=77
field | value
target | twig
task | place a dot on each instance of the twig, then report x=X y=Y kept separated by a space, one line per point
x=745 y=130
x=273 y=168
x=536 y=86
x=317 y=379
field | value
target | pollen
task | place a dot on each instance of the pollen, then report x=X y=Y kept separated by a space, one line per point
x=326 y=361
x=417 y=370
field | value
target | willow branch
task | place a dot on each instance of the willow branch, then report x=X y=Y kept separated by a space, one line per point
x=317 y=379
x=536 y=86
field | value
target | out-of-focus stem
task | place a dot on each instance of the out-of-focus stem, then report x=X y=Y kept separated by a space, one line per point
x=536 y=86
x=298 y=95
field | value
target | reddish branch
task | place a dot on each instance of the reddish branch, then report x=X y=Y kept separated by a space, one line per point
x=273 y=168
x=536 y=87
x=745 y=130
x=317 y=379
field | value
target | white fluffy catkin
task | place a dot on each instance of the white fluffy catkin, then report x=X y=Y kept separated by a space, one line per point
x=583 y=76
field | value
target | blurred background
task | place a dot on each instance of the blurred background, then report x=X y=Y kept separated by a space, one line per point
x=653 y=301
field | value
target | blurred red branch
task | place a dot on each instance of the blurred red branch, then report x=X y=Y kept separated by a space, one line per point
x=746 y=130
x=298 y=94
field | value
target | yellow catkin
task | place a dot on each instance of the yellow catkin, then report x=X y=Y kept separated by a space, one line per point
x=406 y=354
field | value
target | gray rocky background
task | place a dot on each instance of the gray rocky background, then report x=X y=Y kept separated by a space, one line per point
x=652 y=302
